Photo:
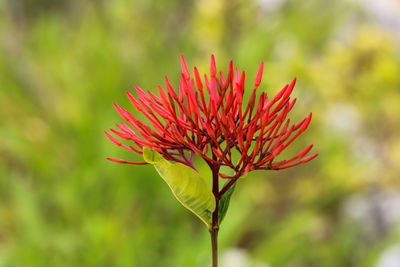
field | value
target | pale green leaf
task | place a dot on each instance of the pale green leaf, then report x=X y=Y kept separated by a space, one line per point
x=186 y=184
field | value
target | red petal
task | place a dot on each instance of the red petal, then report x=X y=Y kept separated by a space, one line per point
x=213 y=68
x=259 y=74
x=185 y=71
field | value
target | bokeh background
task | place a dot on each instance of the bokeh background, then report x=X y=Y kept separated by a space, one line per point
x=63 y=64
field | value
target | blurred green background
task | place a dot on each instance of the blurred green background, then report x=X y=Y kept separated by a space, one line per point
x=63 y=64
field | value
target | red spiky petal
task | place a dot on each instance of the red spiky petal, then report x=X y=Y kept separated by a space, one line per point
x=214 y=123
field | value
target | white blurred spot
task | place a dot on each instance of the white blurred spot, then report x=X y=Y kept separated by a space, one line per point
x=366 y=149
x=342 y=118
x=236 y=257
x=270 y=5
x=385 y=12
x=376 y=213
x=390 y=257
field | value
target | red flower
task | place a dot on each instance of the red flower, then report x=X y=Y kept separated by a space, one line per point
x=207 y=117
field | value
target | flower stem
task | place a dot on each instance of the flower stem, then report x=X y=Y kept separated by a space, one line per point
x=215 y=225
x=214 y=247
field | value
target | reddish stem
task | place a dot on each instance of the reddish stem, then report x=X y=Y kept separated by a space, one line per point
x=215 y=225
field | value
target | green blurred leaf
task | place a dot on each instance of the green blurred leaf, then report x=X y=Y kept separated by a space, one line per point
x=224 y=203
x=186 y=184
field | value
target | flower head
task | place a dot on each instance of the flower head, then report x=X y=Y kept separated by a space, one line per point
x=207 y=117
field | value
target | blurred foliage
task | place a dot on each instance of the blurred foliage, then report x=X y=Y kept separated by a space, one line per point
x=63 y=64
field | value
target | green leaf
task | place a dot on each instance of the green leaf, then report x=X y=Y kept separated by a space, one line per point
x=186 y=184
x=224 y=203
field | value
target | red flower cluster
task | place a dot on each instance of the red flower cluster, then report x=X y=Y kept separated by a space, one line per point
x=208 y=118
